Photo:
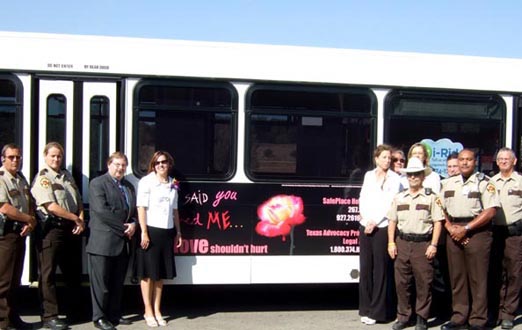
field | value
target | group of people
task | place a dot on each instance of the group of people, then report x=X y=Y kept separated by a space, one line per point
x=408 y=215
x=52 y=209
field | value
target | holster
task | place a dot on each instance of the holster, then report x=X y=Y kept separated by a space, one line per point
x=2 y=224
x=44 y=221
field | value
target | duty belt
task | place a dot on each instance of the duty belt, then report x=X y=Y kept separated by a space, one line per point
x=515 y=229
x=462 y=220
x=415 y=237
x=13 y=227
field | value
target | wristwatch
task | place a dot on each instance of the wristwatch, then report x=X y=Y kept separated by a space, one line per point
x=467 y=228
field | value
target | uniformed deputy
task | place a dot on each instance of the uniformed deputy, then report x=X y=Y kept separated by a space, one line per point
x=470 y=201
x=60 y=212
x=506 y=257
x=413 y=234
x=16 y=222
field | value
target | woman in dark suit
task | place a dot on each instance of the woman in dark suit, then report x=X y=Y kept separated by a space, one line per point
x=112 y=223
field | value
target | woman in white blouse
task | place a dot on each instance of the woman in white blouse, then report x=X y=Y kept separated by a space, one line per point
x=379 y=187
x=157 y=202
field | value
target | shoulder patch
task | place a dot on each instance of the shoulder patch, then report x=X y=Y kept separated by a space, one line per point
x=490 y=188
x=45 y=183
x=438 y=201
x=428 y=191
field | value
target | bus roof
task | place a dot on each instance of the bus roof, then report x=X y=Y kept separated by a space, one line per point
x=124 y=56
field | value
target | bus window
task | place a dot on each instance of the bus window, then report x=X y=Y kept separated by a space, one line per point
x=474 y=120
x=56 y=107
x=309 y=133
x=10 y=111
x=193 y=121
x=99 y=137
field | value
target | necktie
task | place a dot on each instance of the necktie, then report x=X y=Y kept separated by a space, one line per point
x=124 y=194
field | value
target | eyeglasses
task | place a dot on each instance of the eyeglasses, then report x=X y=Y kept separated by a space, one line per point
x=414 y=174
x=164 y=162
x=13 y=157
x=398 y=160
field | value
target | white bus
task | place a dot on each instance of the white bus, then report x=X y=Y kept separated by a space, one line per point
x=270 y=142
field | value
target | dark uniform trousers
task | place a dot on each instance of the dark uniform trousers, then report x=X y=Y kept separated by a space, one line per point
x=59 y=248
x=410 y=263
x=12 y=251
x=505 y=279
x=376 y=275
x=468 y=268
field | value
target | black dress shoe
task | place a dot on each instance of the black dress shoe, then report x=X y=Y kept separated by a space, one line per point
x=422 y=323
x=399 y=325
x=453 y=326
x=55 y=324
x=506 y=324
x=121 y=321
x=103 y=324
x=21 y=325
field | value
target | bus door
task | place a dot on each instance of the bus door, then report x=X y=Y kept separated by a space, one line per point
x=81 y=116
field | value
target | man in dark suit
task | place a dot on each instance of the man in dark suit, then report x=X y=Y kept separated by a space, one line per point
x=112 y=223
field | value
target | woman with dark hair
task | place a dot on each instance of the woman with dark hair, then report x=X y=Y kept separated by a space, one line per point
x=157 y=202
x=379 y=187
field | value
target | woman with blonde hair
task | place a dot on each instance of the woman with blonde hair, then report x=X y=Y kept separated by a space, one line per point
x=157 y=202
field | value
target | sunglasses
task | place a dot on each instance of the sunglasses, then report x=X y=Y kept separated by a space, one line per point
x=398 y=160
x=13 y=157
x=164 y=162
x=415 y=174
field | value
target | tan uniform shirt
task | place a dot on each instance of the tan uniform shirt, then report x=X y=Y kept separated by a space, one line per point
x=14 y=190
x=415 y=214
x=58 y=187
x=510 y=195
x=468 y=199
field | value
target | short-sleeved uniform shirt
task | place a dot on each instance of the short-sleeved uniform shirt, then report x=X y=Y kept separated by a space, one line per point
x=510 y=195
x=14 y=190
x=415 y=213
x=160 y=199
x=58 y=187
x=467 y=199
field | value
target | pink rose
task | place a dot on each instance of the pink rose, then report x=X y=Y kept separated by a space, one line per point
x=279 y=215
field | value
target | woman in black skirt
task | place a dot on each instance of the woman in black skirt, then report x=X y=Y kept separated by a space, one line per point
x=157 y=202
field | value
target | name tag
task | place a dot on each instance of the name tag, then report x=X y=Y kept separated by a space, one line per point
x=449 y=193
x=403 y=207
x=14 y=193
x=422 y=207
x=474 y=194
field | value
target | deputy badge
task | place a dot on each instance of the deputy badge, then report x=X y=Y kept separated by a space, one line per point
x=490 y=188
x=44 y=182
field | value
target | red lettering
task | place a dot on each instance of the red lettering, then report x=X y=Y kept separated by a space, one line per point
x=221 y=219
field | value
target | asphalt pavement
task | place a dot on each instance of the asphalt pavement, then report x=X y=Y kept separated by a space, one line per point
x=260 y=307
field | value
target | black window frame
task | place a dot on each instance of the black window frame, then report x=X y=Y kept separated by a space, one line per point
x=446 y=95
x=371 y=115
x=183 y=83
x=18 y=104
